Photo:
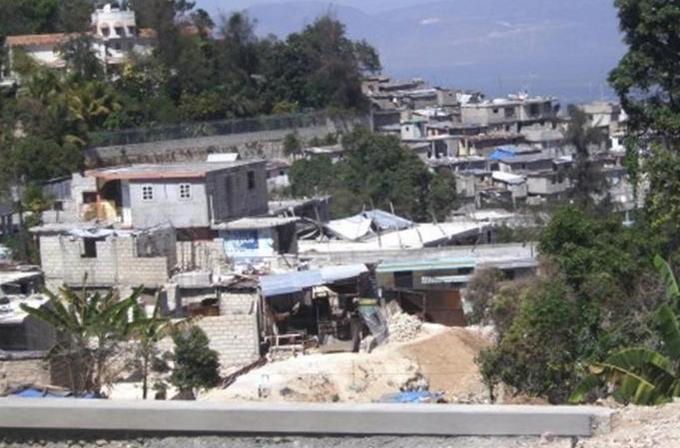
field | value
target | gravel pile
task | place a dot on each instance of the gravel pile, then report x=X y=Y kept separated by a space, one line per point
x=403 y=327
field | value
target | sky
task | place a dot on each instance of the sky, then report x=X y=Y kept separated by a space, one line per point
x=564 y=48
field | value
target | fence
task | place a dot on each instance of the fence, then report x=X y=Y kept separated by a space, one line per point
x=208 y=129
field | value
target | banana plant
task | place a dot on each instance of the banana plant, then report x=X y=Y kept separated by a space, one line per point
x=90 y=328
x=640 y=375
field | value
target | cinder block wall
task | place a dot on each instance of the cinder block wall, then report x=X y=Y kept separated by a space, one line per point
x=234 y=334
x=116 y=263
x=205 y=255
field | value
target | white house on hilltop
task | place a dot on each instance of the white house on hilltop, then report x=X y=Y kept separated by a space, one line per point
x=114 y=34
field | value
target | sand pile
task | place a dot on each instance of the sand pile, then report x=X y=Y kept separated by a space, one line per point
x=441 y=358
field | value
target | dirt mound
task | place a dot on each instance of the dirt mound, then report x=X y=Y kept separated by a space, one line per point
x=442 y=357
x=447 y=359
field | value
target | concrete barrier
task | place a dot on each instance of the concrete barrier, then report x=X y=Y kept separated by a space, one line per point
x=298 y=419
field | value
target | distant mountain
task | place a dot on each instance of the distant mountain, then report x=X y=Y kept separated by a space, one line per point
x=547 y=46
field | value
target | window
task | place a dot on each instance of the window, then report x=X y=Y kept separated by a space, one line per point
x=147 y=192
x=131 y=30
x=185 y=191
x=90 y=247
x=120 y=31
x=403 y=279
x=251 y=180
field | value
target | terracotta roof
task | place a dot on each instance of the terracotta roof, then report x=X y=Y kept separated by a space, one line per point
x=147 y=33
x=36 y=39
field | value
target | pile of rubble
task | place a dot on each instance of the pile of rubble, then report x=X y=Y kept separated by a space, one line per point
x=403 y=327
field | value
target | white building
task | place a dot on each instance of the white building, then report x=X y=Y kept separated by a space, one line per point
x=114 y=34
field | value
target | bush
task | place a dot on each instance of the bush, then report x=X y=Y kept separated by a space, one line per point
x=196 y=365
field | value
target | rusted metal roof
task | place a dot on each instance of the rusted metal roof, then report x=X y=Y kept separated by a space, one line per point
x=37 y=39
x=164 y=171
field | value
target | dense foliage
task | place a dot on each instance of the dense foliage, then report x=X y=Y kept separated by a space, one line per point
x=196 y=365
x=597 y=293
x=197 y=71
x=642 y=375
x=647 y=83
x=377 y=172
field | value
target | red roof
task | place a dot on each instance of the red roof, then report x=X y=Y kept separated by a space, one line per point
x=37 y=39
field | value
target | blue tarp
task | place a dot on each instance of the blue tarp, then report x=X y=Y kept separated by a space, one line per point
x=504 y=152
x=292 y=282
x=38 y=393
x=413 y=397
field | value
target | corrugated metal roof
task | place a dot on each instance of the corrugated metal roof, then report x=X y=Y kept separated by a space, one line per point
x=292 y=282
x=427 y=265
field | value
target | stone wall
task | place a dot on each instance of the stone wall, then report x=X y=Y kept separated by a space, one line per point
x=250 y=145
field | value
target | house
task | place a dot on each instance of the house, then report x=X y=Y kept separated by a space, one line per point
x=513 y=183
x=525 y=163
x=277 y=174
x=547 y=184
x=510 y=114
x=334 y=152
x=114 y=35
x=102 y=257
x=186 y=195
x=255 y=238
x=20 y=331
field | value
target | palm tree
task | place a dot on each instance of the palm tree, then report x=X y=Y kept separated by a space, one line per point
x=641 y=375
x=90 y=329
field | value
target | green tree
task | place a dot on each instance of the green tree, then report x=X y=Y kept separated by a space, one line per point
x=646 y=83
x=642 y=375
x=90 y=329
x=589 y=186
x=292 y=146
x=312 y=177
x=80 y=58
x=539 y=352
x=442 y=197
x=196 y=365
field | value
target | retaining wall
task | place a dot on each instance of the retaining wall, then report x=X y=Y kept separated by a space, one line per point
x=45 y=416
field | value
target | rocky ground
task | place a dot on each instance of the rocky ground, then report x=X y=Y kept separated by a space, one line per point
x=296 y=442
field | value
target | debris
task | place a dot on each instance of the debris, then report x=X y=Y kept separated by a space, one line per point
x=403 y=327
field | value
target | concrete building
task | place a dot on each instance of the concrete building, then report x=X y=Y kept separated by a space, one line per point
x=512 y=113
x=547 y=184
x=19 y=331
x=103 y=257
x=114 y=35
x=257 y=238
x=190 y=195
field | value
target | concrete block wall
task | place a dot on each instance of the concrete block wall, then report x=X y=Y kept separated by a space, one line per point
x=235 y=338
x=203 y=255
x=116 y=263
x=235 y=303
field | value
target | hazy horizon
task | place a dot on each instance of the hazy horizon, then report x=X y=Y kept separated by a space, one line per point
x=545 y=46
